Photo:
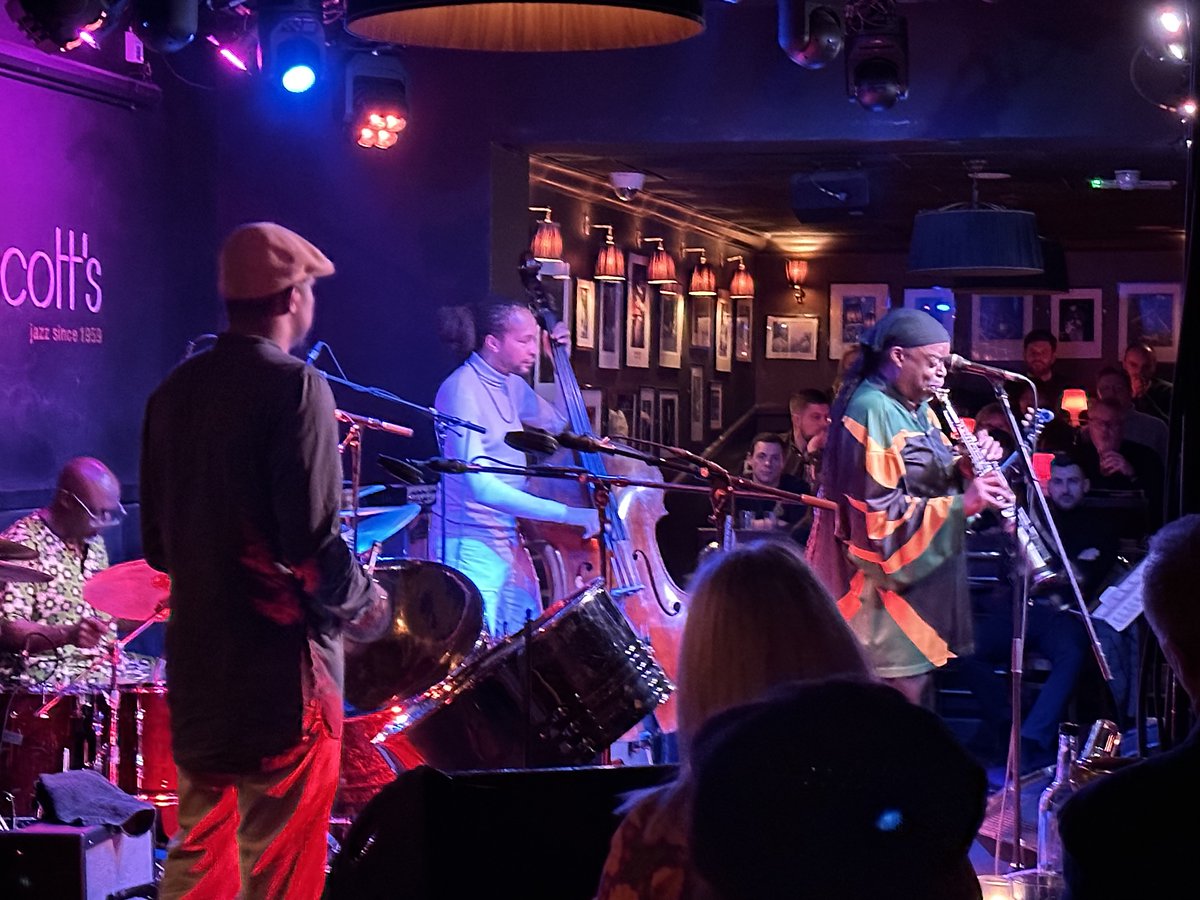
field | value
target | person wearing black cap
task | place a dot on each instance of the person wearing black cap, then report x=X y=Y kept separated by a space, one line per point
x=901 y=516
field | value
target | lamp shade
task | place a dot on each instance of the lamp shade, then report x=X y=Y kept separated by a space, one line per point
x=534 y=25
x=950 y=242
x=662 y=268
x=1074 y=403
x=704 y=281
x=547 y=244
x=741 y=287
x=610 y=264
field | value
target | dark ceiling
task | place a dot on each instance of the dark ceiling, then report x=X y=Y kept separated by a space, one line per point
x=750 y=186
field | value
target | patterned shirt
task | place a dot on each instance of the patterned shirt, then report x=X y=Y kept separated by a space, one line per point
x=58 y=602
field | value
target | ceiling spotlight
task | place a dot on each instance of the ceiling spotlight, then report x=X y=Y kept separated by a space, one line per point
x=810 y=32
x=166 y=26
x=376 y=100
x=292 y=38
x=58 y=25
x=877 y=62
x=1170 y=33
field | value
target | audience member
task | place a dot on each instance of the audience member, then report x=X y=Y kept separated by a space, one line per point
x=757 y=618
x=836 y=789
x=803 y=443
x=1132 y=833
x=1141 y=428
x=1150 y=394
x=1113 y=463
x=766 y=468
x=1041 y=349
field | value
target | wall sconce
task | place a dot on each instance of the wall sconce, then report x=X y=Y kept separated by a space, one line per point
x=741 y=287
x=797 y=272
x=662 y=264
x=610 y=263
x=704 y=278
x=1074 y=403
x=547 y=244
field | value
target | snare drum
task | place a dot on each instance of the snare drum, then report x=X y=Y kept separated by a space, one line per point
x=64 y=736
x=588 y=680
x=146 y=766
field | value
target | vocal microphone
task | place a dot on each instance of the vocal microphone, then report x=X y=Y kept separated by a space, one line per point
x=583 y=443
x=374 y=424
x=442 y=464
x=532 y=440
x=314 y=353
x=407 y=472
x=962 y=364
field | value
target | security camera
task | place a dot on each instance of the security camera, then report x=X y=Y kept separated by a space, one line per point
x=627 y=185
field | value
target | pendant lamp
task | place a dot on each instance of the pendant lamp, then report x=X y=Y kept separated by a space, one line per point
x=704 y=278
x=610 y=262
x=547 y=243
x=531 y=25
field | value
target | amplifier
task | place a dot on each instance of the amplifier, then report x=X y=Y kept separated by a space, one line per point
x=67 y=862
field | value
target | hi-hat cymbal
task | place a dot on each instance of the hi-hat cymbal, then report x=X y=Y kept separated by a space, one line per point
x=129 y=590
x=12 y=573
x=380 y=528
x=13 y=550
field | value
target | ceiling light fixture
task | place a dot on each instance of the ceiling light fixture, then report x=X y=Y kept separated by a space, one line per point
x=376 y=100
x=797 y=272
x=662 y=264
x=547 y=245
x=292 y=39
x=526 y=25
x=810 y=32
x=876 y=57
x=610 y=262
x=741 y=286
x=703 y=282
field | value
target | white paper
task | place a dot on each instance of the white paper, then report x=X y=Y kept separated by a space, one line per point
x=1121 y=603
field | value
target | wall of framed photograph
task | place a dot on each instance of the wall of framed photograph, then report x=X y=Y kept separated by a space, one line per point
x=647 y=414
x=593 y=402
x=792 y=337
x=853 y=308
x=998 y=325
x=668 y=418
x=696 y=401
x=585 y=314
x=743 y=330
x=638 y=315
x=609 y=353
x=716 y=405
x=702 y=330
x=670 y=330
x=1150 y=313
x=939 y=302
x=724 y=336
x=1076 y=320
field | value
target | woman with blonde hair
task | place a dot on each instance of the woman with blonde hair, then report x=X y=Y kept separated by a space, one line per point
x=757 y=618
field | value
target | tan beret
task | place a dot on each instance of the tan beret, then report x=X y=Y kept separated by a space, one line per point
x=260 y=259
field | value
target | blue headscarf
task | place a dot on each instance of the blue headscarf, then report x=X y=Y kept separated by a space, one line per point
x=905 y=328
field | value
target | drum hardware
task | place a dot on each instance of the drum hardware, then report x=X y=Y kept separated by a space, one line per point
x=12 y=550
x=13 y=573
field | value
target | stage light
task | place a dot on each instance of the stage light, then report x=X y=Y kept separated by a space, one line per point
x=292 y=38
x=810 y=32
x=376 y=99
x=1169 y=31
x=877 y=62
x=166 y=26
x=60 y=25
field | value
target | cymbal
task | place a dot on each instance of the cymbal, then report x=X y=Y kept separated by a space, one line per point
x=13 y=550
x=129 y=590
x=12 y=573
x=380 y=528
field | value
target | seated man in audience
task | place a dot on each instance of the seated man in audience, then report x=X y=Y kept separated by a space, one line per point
x=803 y=444
x=766 y=468
x=1134 y=832
x=1113 y=463
x=1141 y=428
x=1151 y=395
x=834 y=790
x=1041 y=349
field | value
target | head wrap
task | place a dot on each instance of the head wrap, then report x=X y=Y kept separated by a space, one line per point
x=905 y=328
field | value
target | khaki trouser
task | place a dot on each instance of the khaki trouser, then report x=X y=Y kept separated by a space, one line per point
x=264 y=832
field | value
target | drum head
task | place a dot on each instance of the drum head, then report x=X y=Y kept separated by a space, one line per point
x=438 y=617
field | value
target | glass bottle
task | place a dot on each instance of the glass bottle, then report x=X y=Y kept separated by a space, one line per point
x=1049 y=850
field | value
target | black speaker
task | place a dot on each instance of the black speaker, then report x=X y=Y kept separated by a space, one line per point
x=825 y=196
x=535 y=833
x=68 y=862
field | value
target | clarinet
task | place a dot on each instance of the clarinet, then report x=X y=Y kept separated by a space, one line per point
x=1038 y=558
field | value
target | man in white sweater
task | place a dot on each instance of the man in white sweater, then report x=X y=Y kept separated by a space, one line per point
x=480 y=510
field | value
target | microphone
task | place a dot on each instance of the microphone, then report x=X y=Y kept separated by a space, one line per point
x=583 y=443
x=448 y=466
x=962 y=364
x=404 y=470
x=368 y=422
x=532 y=440
x=314 y=353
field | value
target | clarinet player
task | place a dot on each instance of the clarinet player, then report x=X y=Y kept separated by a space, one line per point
x=904 y=498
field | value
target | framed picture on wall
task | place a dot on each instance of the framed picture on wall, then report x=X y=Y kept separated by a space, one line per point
x=638 y=316
x=696 y=401
x=702 y=330
x=585 y=314
x=1149 y=313
x=670 y=330
x=792 y=337
x=998 y=325
x=593 y=402
x=716 y=405
x=609 y=356
x=621 y=415
x=724 y=324
x=853 y=308
x=743 y=330
x=647 y=414
x=938 y=302
x=668 y=417
x=1076 y=320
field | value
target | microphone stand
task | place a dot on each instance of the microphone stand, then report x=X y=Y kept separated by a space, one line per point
x=438 y=417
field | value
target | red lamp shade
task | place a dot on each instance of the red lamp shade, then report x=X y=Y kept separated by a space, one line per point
x=610 y=263
x=704 y=280
x=1041 y=467
x=547 y=245
x=662 y=268
x=1074 y=403
x=742 y=285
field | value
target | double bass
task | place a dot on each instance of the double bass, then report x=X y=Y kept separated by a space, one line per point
x=637 y=578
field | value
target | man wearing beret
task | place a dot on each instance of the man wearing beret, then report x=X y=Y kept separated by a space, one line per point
x=240 y=486
x=901 y=516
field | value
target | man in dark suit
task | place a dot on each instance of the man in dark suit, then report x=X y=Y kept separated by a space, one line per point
x=1134 y=832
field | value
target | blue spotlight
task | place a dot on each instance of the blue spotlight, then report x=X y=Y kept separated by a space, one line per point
x=292 y=38
x=298 y=79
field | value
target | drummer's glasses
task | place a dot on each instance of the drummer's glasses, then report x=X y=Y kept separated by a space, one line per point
x=104 y=518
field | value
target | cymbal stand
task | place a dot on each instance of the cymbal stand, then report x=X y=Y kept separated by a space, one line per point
x=353 y=443
x=112 y=757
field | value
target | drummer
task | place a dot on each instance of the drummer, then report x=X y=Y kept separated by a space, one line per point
x=50 y=638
